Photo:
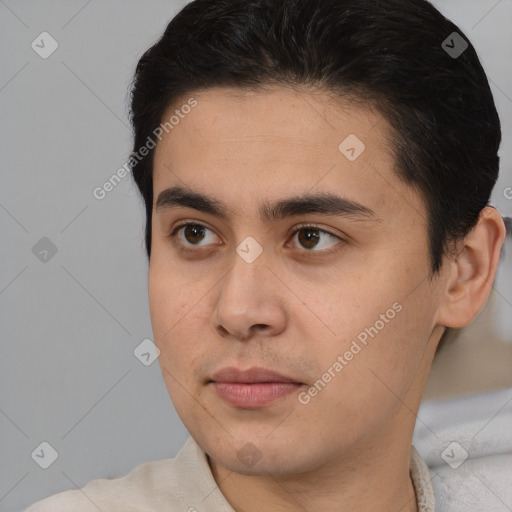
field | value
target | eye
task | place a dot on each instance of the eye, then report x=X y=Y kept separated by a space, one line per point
x=312 y=238
x=193 y=234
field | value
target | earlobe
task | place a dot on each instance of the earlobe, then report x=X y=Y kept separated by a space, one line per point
x=471 y=270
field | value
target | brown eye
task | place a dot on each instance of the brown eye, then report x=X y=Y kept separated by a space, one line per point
x=314 y=239
x=308 y=237
x=194 y=233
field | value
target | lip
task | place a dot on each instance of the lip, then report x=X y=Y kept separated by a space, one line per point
x=252 y=388
x=250 y=376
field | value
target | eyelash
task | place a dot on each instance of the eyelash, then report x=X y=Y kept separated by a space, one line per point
x=306 y=253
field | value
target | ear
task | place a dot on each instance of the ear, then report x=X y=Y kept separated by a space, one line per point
x=471 y=269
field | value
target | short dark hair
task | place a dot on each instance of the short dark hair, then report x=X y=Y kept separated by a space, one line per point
x=392 y=54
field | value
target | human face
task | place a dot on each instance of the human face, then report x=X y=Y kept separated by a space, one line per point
x=346 y=308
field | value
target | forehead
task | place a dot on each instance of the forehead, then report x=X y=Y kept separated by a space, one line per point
x=275 y=116
x=243 y=145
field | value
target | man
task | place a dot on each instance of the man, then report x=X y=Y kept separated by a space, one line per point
x=316 y=175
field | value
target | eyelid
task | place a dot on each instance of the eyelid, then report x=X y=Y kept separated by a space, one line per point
x=314 y=226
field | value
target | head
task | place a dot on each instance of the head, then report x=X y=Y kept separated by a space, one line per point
x=316 y=181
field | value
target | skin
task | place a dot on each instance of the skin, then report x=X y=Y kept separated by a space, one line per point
x=348 y=448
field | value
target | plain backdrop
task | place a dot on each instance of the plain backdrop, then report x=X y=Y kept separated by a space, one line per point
x=73 y=277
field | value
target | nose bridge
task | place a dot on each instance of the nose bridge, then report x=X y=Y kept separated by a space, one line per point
x=249 y=264
x=245 y=284
x=247 y=295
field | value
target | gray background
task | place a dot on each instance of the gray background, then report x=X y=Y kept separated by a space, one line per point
x=71 y=322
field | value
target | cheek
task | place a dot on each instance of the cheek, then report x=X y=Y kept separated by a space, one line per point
x=178 y=309
x=171 y=295
x=373 y=379
x=380 y=319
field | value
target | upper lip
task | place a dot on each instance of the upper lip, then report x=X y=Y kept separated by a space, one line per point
x=249 y=376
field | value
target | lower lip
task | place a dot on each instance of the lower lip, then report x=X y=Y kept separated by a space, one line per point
x=253 y=396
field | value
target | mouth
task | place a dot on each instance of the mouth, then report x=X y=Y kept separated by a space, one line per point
x=253 y=388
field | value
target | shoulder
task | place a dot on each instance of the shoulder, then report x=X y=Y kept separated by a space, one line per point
x=466 y=443
x=152 y=487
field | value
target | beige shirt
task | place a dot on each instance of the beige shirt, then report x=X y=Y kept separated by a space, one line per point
x=184 y=483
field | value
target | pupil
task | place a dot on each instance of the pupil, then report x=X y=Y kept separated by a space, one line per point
x=310 y=237
x=194 y=233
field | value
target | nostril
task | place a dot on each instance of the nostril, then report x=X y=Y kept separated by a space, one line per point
x=222 y=330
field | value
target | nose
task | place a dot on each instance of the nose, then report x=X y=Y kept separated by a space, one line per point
x=250 y=302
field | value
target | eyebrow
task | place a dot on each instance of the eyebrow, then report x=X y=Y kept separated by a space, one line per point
x=322 y=203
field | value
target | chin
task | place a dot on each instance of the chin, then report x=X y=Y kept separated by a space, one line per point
x=253 y=456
